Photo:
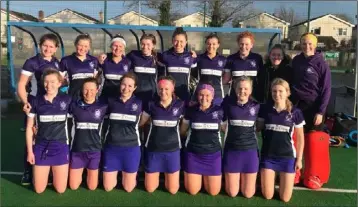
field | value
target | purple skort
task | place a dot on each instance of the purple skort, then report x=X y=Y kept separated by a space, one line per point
x=241 y=161
x=117 y=158
x=279 y=164
x=202 y=164
x=88 y=160
x=164 y=162
x=50 y=153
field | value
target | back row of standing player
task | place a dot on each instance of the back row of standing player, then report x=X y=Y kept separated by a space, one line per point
x=177 y=63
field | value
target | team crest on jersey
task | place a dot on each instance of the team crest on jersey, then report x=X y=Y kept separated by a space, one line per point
x=215 y=115
x=288 y=117
x=220 y=63
x=310 y=70
x=97 y=113
x=134 y=107
x=56 y=64
x=186 y=60
x=253 y=63
x=175 y=111
x=91 y=65
x=252 y=111
x=125 y=68
x=63 y=105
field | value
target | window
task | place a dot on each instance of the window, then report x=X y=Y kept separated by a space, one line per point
x=342 y=32
x=250 y=26
x=316 y=31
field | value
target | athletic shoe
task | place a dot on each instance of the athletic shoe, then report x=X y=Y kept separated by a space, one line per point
x=26 y=178
x=50 y=179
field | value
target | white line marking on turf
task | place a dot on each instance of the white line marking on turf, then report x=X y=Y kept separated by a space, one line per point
x=334 y=190
x=11 y=173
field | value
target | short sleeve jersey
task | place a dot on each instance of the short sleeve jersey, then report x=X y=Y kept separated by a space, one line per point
x=164 y=128
x=51 y=118
x=88 y=120
x=278 y=132
x=123 y=122
x=204 y=129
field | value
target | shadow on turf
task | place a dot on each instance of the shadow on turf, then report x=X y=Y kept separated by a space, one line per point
x=15 y=179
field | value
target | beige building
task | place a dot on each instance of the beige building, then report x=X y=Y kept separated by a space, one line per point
x=70 y=16
x=133 y=18
x=16 y=35
x=195 y=39
x=68 y=35
x=192 y=20
x=325 y=25
x=265 y=20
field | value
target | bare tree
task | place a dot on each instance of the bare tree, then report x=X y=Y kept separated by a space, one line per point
x=247 y=14
x=223 y=11
x=164 y=8
x=287 y=14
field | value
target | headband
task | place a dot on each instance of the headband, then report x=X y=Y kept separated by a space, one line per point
x=206 y=86
x=119 y=39
x=164 y=82
x=311 y=37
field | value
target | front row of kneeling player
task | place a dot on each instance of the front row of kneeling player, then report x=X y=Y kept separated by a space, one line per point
x=202 y=158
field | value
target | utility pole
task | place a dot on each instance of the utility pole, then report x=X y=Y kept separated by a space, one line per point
x=309 y=16
x=139 y=11
x=105 y=46
x=204 y=23
x=356 y=80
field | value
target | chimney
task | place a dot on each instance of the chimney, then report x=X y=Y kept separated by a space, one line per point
x=41 y=15
x=101 y=19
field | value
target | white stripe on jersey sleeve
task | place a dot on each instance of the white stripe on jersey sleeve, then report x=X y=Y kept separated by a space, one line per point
x=300 y=125
x=25 y=72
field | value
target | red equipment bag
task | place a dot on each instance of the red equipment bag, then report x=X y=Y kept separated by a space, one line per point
x=316 y=159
